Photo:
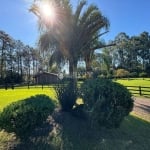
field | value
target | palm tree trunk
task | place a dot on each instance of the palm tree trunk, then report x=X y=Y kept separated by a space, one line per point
x=73 y=69
x=88 y=64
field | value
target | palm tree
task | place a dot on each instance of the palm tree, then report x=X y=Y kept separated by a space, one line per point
x=75 y=34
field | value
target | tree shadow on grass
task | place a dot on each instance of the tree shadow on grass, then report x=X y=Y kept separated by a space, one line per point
x=37 y=140
x=77 y=134
x=71 y=133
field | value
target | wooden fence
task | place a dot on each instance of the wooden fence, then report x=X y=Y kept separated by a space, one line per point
x=136 y=90
x=139 y=90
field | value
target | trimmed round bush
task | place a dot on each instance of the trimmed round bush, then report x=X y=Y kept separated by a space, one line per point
x=106 y=102
x=23 y=116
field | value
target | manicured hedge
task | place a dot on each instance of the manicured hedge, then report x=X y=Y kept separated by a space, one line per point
x=106 y=102
x=23 y=116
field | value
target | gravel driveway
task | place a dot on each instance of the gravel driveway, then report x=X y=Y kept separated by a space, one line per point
x=142 y=108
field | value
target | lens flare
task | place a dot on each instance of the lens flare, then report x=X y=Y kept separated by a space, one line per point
x=48 y=12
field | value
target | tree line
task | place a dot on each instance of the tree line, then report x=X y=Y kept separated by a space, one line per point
x=73 y=37
x=131 y=54
x=18 y=62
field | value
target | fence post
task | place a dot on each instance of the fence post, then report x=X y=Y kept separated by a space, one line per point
x=140 y=91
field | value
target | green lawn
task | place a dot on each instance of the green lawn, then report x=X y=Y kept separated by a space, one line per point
x=9 y=96
x=19 y=93
x=75 y=134
x=136 y=82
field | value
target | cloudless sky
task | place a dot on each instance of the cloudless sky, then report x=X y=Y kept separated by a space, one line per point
x=129 y=16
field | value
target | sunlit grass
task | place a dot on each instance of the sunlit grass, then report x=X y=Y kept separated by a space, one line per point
x=135 y=82
x=9 y=96
x=143 y=82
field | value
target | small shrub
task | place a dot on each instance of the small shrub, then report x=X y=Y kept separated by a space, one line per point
x=143 y=74
x=122 y=73
x=67 y=93
x=23 y=116
x=133 y=75
x=106 y=102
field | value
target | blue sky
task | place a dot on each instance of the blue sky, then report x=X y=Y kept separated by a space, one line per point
x=129 y=16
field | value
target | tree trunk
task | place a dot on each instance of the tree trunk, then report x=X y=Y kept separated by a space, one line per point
x=2 y=62
x=88 y=65
x=73 y=69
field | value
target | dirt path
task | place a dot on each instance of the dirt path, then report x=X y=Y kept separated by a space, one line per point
x=142 y=108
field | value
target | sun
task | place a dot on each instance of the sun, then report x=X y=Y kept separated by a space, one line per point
x=48 y=11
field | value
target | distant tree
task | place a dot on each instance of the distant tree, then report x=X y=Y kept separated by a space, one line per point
x=144 y=49
x=19 y=46
x=5 y=44
x=121 y=40
x=16 y=58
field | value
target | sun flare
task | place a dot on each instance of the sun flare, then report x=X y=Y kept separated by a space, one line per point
x=48 y=11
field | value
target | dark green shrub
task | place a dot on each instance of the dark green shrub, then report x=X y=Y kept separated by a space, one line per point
x=78 y=111
x=143 y=74
x=23 y=116
x=148 y=70
x=106 y=102
x=67 y=93
x=133 y=75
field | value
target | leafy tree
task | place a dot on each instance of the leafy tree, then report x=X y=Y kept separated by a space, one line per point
x=15 y=57
x=122 y=41
x=5 y=42
x=144 y=49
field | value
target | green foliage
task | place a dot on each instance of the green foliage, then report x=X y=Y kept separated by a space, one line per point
x=148 y=70
x=67 y=93
x=133 y=74
x=1 y=81
x=143 y=74
x=23 y=116
x=13 y=77
x=122 y=73
x=78 y=111
x=106 y=102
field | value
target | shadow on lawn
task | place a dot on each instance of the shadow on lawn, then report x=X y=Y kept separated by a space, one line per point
x=70 y=133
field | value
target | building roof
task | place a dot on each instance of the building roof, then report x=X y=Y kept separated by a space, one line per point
x=47 y=73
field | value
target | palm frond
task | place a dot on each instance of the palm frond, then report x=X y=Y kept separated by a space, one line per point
x=57 y=57
x=79 y=10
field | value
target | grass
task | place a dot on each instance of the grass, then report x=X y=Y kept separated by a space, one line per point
x=143 y=82
x=71 y=133
x=135 y=82
x=9 y=96
x=75 y=134
x=131 y=135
